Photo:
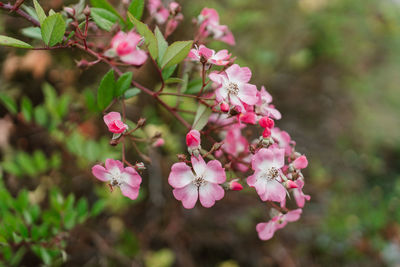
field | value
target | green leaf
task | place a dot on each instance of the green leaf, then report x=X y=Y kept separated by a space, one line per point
x=123 y=83
x=39 y=12
x=105 y=93
x=27 y=108
x=174 y=80
x=9 y=103
x=103 y=18
x=131 y=93
x=149 y=37
x=9 y=41
x=98 y=207
x=162 y=44
x=53 y=29
x=105 y=5
x=40 y=115
x=175 y=53
x=202 y=115
x=167 y=72
x=136 y=8
x=32 y=32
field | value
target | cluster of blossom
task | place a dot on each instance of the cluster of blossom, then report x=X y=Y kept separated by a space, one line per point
x=265 y=159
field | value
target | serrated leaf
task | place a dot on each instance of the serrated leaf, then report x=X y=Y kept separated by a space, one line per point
x=53 y=29
x=202 y=115
x=148 y=35
x=136 y=8
x=39 y=12
x=123 y=83
x=161 y=43
x=32 y=32
x=105 y=5
x=9 y=41
x=131 y=92
x=103 y=18
x=175 y=53
x=105 y=92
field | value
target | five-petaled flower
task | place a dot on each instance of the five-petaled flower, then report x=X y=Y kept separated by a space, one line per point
x=206 y=55
x=267 y=164
x=209 y=26
x=114 y=122
x=127 y=179
x=266 y=230
x=124 y=45
x=233 y=86
x=203 y=183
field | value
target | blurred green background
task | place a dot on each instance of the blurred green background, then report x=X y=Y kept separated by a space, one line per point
x=333 y=69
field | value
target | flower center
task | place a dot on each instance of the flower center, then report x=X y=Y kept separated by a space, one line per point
x=271 y=174
x=116 y=180
x=199 y=181
x=233 y=89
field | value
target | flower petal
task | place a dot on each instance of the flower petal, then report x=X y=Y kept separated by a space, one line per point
x=129 y=191
x=101 y=173
x=263 y=160
x=131 y=177
x=199 y=165
x=115 y=167
x=188 y=195
x=209 y=193
x=112 y=116
x=248 y=94
x=181 y=175
x=236 y=74
x=137 y=57
x=214 y=172
x=274 y=191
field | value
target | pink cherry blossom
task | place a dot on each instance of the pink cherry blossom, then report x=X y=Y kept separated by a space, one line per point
x=114 y=122
x=158 y=11
x=124 y=45
x=267 y=164
x=202 y=53
x=266 y=230
x=298 y=194
x=300 y=163
x=209 y=26
x=264 y=106
x=127 y=178
x=193 y=139
x=203 y=183
x=232 y=86
x=283 y=140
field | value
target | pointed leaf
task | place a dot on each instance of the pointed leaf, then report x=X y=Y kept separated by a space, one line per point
x=105 y=5
x=136 y=8
x=123 y=83
x=175 y=53
x=162 y=44
x=149 y=37
x=105 y=93
x=103 y=18
x=202 y=115
x=53 y=29
x=39 y=12
x=131 y=93
x=9 y=41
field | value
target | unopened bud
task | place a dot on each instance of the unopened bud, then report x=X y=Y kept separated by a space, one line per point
x=289 y=184
x=82 y=64
x=114 y=142
x=140 y=166
x=70 y=11
x=266 y=132
x=217 y=146
x=181 y=157
x=141 y=122
x=235 y=186
x=86 y=11
x=224 y=107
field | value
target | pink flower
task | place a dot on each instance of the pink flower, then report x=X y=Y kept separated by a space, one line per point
x=235 y=186
x=233 y=86
x=158 y=11
x=193 y=139
x=298 y=194
x=266 y=230
x=204 y=54
x=300 y=163
x=127 y=178
x=283 y=139
x=203 y=183
x=209 y=26
x=267 y=164
x=159 y=142
x=114 y=123
x=124 y=45
x=264 y=106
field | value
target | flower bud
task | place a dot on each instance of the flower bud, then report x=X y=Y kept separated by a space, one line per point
x=86 y=11
x=159 y=142
x=266 y=132
x=266 y=122
x=140 y=166
x=289 y=184
x=235 y=186
x=141 y=122
x=193 y=139
x=224 y=107
x=70 y=11
x=181 y=157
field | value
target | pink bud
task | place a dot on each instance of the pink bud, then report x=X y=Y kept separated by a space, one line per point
x=224 y=107
x=114 y=123
x=266 y=122
x=235 y=186
x=290 y=184
x=193 y=139
x=266 y=133
x=300 y=163
x=159 y=142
